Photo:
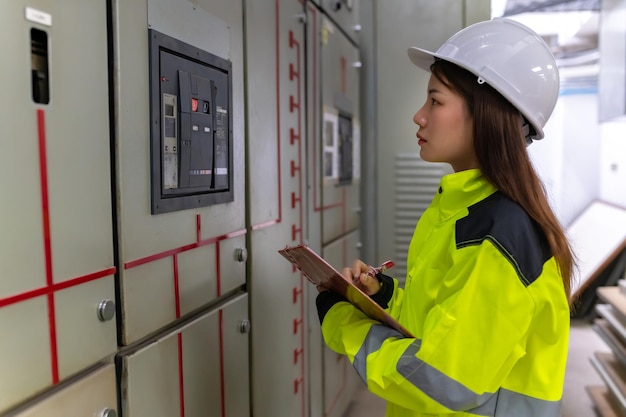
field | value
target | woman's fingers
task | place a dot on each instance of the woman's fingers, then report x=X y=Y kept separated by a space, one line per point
x=369 y=284
x=347 y=274
x=358 y=267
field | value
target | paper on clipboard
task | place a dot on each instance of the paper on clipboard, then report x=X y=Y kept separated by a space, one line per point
x=320 y=272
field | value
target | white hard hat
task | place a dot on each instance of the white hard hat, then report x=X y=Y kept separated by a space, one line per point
x=508 y=56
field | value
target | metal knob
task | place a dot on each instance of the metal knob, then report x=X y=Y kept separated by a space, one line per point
x=244 y=326
x=357 y=64
x=241 y=254
x=108 y=412
x=106 y=311
x=357 y=28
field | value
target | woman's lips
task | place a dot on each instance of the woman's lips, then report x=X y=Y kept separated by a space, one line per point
x=420 y=140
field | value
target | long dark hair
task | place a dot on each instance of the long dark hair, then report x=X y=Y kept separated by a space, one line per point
x=500 y=146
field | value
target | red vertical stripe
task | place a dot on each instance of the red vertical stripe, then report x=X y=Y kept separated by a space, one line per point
x=45 y=211
x=222 y=379
x=181 y=379
x=176 y=286
x=278 y=158
x=217 y=269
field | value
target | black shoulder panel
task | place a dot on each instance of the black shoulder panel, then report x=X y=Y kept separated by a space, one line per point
x=505 y=224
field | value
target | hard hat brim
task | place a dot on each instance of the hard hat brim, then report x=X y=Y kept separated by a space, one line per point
x=421 y=57
x=424 y=59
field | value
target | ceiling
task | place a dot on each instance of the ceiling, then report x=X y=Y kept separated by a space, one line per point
x=569 y=27
x=513 y=7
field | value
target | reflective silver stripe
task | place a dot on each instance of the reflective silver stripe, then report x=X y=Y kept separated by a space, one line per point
x=377 y=334
x=514 y=404
x=452 y=394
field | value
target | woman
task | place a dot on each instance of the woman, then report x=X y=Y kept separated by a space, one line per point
x=489 y=267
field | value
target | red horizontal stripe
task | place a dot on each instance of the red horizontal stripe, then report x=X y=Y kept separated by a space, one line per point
x=55 y=287
x=265 y=224
x=170 y=252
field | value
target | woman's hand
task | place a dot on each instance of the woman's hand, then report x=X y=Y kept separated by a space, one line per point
x=361 y=276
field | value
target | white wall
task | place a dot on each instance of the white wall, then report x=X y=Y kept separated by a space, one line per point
x=581 y=160
x=569 y=165
x=613 y=163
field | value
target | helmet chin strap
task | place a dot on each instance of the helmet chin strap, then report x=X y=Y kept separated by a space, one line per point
x=528 y=130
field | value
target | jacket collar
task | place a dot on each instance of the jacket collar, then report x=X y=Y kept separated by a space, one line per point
x=460 y=190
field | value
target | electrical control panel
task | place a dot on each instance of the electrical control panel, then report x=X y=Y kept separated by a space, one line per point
x=191 y=126
x=345 y=149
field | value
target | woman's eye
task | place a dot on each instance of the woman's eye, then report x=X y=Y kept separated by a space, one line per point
x=433 y=101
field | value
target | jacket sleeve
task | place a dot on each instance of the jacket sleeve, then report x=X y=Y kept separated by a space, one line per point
x=470 y=340
x=383 y=296
x=390 y=295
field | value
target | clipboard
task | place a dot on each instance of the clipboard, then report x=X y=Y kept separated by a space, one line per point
x=319 y=272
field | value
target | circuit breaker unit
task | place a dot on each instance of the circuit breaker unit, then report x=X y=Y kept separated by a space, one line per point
x=345 y=149
x=191 y=119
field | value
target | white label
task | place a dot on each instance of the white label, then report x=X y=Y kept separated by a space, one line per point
x=221 y=171
x=38 y=16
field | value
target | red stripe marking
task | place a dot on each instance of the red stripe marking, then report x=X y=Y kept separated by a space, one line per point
x=45 y=210
x=181 y=379
x=314 y=66
x=222 y=380
x=331 y=206
x=56 y=287
x=176 y=287
x=170 y=252
x=198 y=228
x=266 y=224
x=218 y=267
x=301 y=218
x=279 y=160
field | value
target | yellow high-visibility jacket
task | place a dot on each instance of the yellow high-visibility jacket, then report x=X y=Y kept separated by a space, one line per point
x=486 y=303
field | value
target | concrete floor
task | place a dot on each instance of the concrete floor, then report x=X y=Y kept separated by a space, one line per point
x=580 y=373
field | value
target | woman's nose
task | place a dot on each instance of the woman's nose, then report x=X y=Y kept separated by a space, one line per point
x=419 y=118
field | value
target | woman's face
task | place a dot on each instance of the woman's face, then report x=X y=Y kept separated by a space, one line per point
x=445 y=128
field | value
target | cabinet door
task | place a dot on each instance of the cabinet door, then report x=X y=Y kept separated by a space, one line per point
x=92 y=395
x=57 y=232
x=340 y=175
x=200 y=369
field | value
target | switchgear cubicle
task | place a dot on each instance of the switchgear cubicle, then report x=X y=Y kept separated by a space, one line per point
x=191 y=135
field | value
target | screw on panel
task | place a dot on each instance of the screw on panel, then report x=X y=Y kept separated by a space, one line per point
x=106 y=310
x=244 y=326
x=108 y=412
x=241 y=254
